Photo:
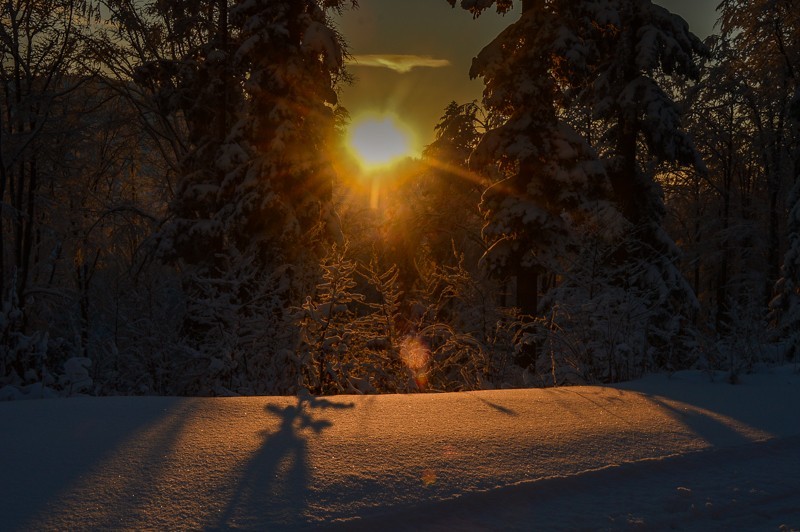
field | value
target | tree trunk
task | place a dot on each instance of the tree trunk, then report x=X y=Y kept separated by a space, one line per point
x=27 y=229
x=629 y=189
x=222 y=31
x=722 y=321
x=528 y=303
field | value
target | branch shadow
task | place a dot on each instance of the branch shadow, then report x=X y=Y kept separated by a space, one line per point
x=274 y=486
x=495 y=406
x=570 y=405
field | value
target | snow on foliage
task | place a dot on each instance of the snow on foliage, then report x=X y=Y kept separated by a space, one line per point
x=76 y=378
x=23 y=357
x=550 y=167
x=557 y=65
x=256 y=178
x=319 y=38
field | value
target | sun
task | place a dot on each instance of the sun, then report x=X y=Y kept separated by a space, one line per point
x=379 y=140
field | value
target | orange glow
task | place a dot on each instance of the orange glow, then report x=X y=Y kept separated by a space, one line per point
x=429 y=477
x=416 y=356
x=380 y=140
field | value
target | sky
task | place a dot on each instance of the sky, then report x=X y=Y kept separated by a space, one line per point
x=412 y=57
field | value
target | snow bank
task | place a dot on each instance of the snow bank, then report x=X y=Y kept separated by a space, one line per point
x=681 y=451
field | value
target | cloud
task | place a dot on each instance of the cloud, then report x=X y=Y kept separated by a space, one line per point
x=397 y=62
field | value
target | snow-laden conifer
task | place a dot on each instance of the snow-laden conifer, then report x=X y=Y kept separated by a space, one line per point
x=610 y=58
x=642 y=48
x=255 y=186
x=549 y=172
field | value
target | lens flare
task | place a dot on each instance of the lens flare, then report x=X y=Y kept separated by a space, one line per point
x=416 y=356
x=429 y=477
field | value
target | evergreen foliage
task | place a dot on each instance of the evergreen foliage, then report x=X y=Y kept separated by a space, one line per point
x=179 y=215
x=258 y=97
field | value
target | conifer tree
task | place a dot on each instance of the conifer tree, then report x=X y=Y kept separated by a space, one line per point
x=550 y=172
x=766 y=38
x=611 y=58
x=643 y=48
x=255 y=184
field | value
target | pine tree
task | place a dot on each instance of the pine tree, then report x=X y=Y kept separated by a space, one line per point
x=255 y=186
x=450 y=189
x=609 y=59
x=23 y=357
x=642 y=48
x=550 y=172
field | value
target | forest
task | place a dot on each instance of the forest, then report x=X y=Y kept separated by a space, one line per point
x=180 y=216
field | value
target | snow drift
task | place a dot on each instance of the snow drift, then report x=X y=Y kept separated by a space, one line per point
x=684 y=451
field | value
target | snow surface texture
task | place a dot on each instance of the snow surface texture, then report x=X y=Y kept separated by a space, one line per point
x=680 y=452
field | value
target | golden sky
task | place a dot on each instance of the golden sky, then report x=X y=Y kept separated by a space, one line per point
x=412 y=57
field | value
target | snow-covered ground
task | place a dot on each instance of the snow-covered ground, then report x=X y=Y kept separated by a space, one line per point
x=680 y=452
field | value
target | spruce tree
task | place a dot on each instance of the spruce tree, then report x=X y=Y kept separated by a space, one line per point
x=613 y=60
x=550 y=174
x=643 y=49
x=255 y=186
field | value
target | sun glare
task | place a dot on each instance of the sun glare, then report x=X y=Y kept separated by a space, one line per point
x=379 y=141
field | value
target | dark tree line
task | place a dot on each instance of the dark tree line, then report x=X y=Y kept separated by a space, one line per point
x=178 y=215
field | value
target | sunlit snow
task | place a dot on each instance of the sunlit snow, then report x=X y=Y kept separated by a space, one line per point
x=689 y=451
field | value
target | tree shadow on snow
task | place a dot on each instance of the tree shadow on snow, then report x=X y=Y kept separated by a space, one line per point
x=714 y=428
x=597 y=402
x=274 y=485
x=93 y=441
